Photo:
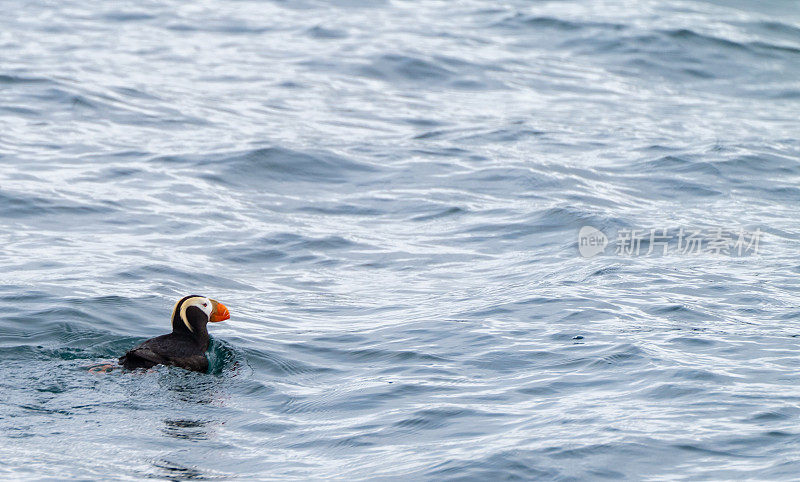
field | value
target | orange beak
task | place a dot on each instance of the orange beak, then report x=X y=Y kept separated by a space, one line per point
x=220 y=312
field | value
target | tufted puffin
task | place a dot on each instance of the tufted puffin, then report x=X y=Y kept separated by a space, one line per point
x=186 y=346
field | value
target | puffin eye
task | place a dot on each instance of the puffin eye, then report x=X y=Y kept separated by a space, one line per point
x=205 y=304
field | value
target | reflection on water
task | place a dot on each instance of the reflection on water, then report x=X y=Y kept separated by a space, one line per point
x=187 y=429
x=170 y=470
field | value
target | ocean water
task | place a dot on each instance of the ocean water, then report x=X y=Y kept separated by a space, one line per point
x=388 y=195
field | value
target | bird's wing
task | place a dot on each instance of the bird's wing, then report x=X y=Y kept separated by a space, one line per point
x=140 y=357
x=147 y=354
x=164 y=351
x=145 y=358
x=197 y=363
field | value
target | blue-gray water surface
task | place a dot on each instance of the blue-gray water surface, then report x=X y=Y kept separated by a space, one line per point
x=387 y=195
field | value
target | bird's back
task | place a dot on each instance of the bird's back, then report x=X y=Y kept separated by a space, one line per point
x=171 y=349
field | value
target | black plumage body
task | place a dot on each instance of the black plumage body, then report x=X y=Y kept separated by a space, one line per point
x=174 y=349
x=185 y=347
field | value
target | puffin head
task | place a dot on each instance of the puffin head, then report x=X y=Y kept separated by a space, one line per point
x=192 y=313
